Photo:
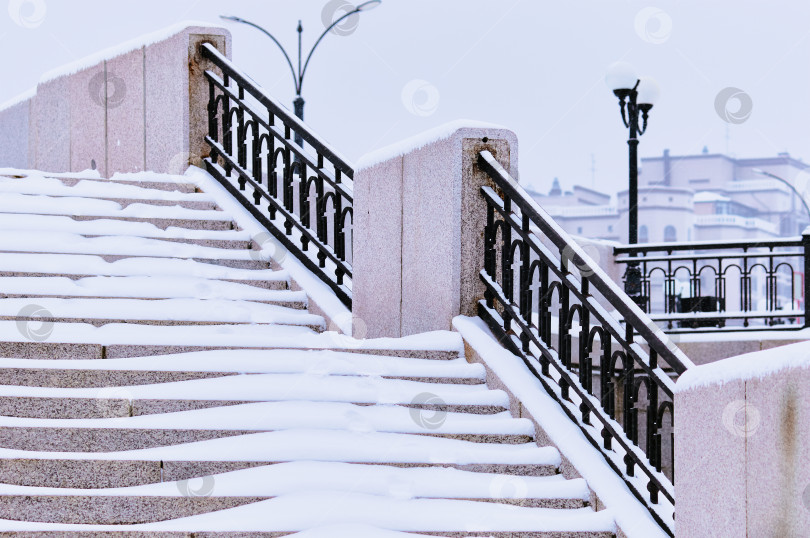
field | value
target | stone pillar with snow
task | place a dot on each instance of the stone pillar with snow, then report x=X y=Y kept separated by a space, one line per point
x=741 y=445
x=419 y=228
x=134 y=107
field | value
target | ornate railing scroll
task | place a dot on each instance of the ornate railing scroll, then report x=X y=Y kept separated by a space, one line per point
x=724 y=286
x=299 y=193
x=593 y=349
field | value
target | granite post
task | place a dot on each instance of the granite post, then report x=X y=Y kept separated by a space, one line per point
x=741 y=446
x=419 y=231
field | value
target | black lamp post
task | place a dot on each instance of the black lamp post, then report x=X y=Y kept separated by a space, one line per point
x=786 y=182
x=298 y=77
x=636 y=98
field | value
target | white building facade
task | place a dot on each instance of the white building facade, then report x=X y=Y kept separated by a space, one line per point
x=704 y=197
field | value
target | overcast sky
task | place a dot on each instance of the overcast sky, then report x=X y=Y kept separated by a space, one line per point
x=534 y=67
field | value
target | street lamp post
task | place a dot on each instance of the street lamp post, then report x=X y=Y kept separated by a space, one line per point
x=636 y=97
x=298 y=77
x=786 y=182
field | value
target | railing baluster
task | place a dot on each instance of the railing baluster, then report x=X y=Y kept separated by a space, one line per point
x=237 y=107
x=551 y=356
x=758 y=270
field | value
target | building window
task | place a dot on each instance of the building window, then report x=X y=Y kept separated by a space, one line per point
x=610 y=227
x=579 y=229
x=643 y=235
x=669 y=234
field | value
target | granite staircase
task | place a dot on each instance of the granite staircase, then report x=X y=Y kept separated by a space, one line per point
x=160 y=377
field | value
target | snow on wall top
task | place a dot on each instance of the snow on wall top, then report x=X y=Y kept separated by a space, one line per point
x=121 y=49
x=419 y=141
x=708 y=196
x=17 y=99
x=757 y=365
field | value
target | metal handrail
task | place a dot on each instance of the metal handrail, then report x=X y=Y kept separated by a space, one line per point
x=210 y=52
x=721 y=278
x=282 y=174
x=517 y=225
x=631 y=313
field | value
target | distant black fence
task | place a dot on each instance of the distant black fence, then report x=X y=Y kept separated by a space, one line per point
x=587 y=342
x=724 y=286
x=298 y=192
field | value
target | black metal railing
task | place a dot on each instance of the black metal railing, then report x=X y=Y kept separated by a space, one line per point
x=299 y=192
x=723 y=286
x=592 y=348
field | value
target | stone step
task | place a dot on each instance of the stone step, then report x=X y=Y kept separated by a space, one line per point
x=77 y=378
x=295 y=304
x=176 y=183
x=133 y=510
x=112 y=405
x=276 y=284
x=95 y=440
x=140 y=287
x=110 y=227
x=89 y=239
x=114 y=247
x=165 y=223
x=316 y=325
x=227 y=244
x=247 y=263
x=294 y=534
x=102 y=190
x=161 y=312
x=77 y=266
x=92 y=209
x=305 y=510
x=53 y=349
x=201 y=204
x=110 y=510
x=102 y=474
x=56 y=377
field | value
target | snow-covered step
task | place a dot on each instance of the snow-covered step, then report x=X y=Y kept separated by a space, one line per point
x=117 y=340
x=123 y=194
x=92 y=440
x=267 y=481
x=164 y=369
x=269 y=361
x=93 y=209
x=163 y=182
x=146 y=287
x=361 y=390
x=154 y=312
x=114 y=402
x=286 y=415
x=111 y=227
x=284 y=478
x=441 y=517
x=80 y=266
x=260 y=483
x=388 y=448
x=114 y=247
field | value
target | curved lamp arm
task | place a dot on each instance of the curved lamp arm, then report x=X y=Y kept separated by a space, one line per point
x=357 y=9
x=791 y=187
x=296 y=80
